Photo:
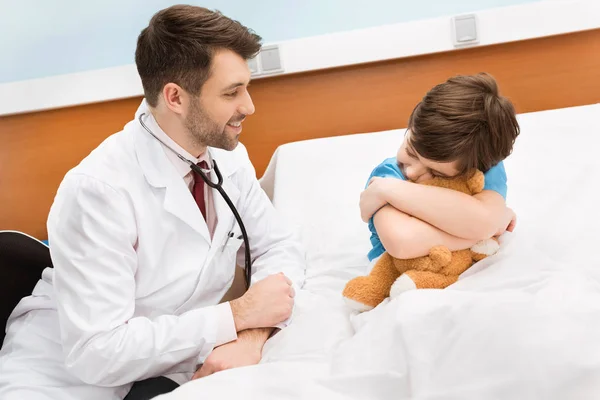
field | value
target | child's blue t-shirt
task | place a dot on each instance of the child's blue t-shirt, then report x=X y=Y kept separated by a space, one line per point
x=495 y=179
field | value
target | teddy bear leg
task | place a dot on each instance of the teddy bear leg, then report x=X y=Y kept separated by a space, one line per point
x=366 y=292
x=431 y=280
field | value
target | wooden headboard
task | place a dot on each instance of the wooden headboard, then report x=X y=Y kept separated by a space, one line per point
x=37 y=149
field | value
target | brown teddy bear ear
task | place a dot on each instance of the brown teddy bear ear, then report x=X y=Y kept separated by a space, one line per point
x=476 y=181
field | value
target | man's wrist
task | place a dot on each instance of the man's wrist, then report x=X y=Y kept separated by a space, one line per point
x=255 y=337
x=238 y=310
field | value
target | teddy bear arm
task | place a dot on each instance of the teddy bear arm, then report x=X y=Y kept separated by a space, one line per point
x=431 y=280
x=419 y=263
x=461 y=261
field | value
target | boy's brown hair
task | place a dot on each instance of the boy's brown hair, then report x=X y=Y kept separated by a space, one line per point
x=178 y=46
x=464 y=119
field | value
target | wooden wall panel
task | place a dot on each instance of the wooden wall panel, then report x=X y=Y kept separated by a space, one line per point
x=37 y=149
x=539 y=74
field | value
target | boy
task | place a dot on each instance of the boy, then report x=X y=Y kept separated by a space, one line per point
x=460 y=124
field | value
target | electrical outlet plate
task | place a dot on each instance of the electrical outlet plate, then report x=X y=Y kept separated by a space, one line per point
x=267 y=62
x=465 y=30
x=270 y=60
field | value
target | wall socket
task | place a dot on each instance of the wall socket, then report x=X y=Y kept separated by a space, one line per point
x=465 y=30
x=267 y=62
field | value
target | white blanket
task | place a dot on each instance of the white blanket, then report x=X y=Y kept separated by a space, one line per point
x=520 y=325
x=523 y=324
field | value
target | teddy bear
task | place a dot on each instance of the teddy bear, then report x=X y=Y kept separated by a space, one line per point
x=391 y=276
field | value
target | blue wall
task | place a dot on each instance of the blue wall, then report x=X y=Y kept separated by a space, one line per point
x=40 y=38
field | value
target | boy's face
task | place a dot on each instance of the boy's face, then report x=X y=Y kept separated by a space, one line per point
x=418 y=169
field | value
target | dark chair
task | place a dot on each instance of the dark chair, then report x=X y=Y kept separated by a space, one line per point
x=22 y=260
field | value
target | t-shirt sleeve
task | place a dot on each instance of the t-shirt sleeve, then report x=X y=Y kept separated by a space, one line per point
x=495 y=179
x=386 y=169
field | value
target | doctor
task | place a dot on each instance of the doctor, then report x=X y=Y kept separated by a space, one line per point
x=144 y=250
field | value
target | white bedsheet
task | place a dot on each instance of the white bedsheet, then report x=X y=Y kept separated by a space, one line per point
x=524 y=324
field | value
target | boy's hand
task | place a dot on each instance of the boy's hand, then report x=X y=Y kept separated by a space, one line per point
x=513 y=221
x=508 y=223
x=373 y=198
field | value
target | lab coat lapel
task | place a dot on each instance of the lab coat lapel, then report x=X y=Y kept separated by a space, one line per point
x=225 y=217
x=161 y=174
x=214 y=263
x=180 y=202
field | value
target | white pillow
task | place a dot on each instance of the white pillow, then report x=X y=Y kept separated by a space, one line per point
x=552 y=185
x=316 y=186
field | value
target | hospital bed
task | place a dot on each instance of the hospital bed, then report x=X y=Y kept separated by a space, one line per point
x=522 y=324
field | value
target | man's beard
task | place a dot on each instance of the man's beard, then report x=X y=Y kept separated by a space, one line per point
x=206 y=132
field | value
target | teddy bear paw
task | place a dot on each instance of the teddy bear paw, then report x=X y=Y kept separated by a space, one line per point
x=357 y=306
x=487 y=247
x=402 y=284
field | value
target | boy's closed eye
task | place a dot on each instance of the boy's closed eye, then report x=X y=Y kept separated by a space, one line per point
x=411 y=154
x=433 y=172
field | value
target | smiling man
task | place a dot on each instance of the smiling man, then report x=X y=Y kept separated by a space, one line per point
x=144 y=250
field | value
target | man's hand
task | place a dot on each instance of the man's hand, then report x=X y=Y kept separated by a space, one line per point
x=245 y=350
x=373 y=197
x=508 y=222
x=265 y=304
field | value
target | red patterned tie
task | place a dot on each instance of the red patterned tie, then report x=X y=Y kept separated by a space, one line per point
x=198 y=189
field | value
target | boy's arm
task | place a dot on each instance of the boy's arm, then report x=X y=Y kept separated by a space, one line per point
x=470 y=217
x=405 y=237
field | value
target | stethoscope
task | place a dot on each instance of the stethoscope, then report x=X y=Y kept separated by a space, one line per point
x=219 y=187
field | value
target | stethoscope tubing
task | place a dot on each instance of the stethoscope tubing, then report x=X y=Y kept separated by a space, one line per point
x=219 y=187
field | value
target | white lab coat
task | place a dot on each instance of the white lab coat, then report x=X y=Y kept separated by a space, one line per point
x=136 y=275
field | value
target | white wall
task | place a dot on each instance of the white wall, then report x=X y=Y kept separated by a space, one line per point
x=81 y=85
x=42 y=38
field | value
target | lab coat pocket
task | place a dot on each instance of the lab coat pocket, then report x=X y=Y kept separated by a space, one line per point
x=232 y=243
